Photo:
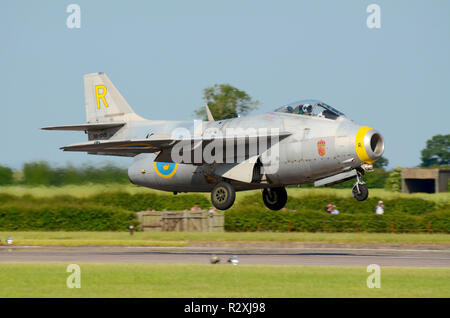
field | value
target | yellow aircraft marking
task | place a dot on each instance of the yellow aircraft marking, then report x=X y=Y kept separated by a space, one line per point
x=101 y=95
x=359 y=145
x=165 y=167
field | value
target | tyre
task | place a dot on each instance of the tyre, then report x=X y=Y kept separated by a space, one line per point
x=363 y=192
x=275 y=198
x=223 y=195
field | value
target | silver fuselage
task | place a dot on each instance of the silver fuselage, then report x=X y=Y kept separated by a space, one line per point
x=300 y=160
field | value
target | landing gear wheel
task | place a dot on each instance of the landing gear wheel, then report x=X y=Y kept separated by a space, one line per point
x=275 y=198
x=223 y=195
x=360 y=191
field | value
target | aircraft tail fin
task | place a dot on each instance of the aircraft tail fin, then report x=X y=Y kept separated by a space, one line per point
x=104 y=103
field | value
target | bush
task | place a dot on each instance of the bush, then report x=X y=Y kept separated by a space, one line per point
x=40 y=173
x=144 y=201
x=6 y=176
x=394 y=182
x=63 y=217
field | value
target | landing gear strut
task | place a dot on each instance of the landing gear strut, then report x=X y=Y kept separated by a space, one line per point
x=275 y=198
x=223 y=195
x=360 y=191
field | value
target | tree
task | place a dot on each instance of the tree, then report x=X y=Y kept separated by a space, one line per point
x=394 y=181
x=37 y=173
x=6 y=176
x=437 y=151
x=381 y=163
x=226 y=101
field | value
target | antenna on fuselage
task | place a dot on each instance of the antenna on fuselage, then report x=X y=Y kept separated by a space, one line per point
x=208 y=113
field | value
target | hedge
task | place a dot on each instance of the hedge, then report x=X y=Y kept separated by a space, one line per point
x=64 y=217
x=115 y=211
x=159 y=202
x=401 y=215
x=314 y=221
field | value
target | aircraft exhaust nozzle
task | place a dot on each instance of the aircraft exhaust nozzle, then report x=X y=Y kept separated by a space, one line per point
x=369 y=144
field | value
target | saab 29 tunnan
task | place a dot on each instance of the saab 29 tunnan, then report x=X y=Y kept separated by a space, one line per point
x=303 y=142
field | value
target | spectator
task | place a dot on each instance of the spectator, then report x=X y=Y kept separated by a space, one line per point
x=131 y=228
x=333 y=210
x=328 y=207
x=211 y=211
x=195 y=208
x=379 y=209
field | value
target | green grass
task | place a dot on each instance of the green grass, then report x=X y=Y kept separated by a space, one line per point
x=224 y=280
x=184 y=238
x=83 y=191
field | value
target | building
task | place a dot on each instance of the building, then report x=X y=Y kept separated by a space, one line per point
x=425 y=180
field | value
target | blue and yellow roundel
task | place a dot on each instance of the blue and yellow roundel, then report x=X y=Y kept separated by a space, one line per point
x=165 y=169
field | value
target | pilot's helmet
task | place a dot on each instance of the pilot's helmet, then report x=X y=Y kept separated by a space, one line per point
x=307 y=108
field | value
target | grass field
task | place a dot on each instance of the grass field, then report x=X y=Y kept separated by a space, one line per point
x=224 y=280
x=184 y=238
x=82 y=191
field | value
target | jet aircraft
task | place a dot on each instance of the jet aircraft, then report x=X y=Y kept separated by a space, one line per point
x=303 y=142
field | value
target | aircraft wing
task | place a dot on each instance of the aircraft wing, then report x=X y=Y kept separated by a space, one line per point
x=86 y=127
x=157 y=143
x=128 y=148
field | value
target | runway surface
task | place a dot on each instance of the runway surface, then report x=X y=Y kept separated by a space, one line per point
x=269 y=256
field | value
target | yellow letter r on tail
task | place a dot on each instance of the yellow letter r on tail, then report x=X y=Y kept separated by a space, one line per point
x=100 y=95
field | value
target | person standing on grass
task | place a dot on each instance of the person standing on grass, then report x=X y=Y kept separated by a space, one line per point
x=131 y=228
x=379 y=209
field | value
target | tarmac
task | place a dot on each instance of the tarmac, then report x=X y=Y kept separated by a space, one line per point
x=202 y=255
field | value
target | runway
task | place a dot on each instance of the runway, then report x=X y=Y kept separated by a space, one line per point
x=202 y=255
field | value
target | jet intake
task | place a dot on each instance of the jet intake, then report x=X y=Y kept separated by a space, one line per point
x=369 y=145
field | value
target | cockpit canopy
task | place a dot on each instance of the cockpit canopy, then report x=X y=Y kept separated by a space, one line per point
x=310 y=107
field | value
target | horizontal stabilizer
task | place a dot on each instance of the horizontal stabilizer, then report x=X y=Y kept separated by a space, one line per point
x=119 y=147
x=86 y=127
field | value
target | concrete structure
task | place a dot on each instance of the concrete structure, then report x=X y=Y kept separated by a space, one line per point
x=181 y=221
x=425 y=180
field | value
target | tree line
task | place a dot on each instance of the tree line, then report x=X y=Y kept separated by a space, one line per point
x=42 y=173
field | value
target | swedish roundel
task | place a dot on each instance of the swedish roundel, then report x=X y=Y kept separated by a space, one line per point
x=165 y=169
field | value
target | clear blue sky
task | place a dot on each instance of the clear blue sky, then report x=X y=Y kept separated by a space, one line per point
x=162 y=54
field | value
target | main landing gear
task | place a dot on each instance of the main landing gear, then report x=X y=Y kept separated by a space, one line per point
x=360 y=191
x=275 y=198
x=223 y=195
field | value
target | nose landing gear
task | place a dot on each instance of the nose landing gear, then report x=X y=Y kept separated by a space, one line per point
x=360 y=191
x=275 y=198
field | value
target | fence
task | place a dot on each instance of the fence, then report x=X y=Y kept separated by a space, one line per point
x=181 y=221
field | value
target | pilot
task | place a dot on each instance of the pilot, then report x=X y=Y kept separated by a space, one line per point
x=307 y=109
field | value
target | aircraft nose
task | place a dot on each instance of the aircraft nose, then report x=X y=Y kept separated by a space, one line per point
x=369 y=144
